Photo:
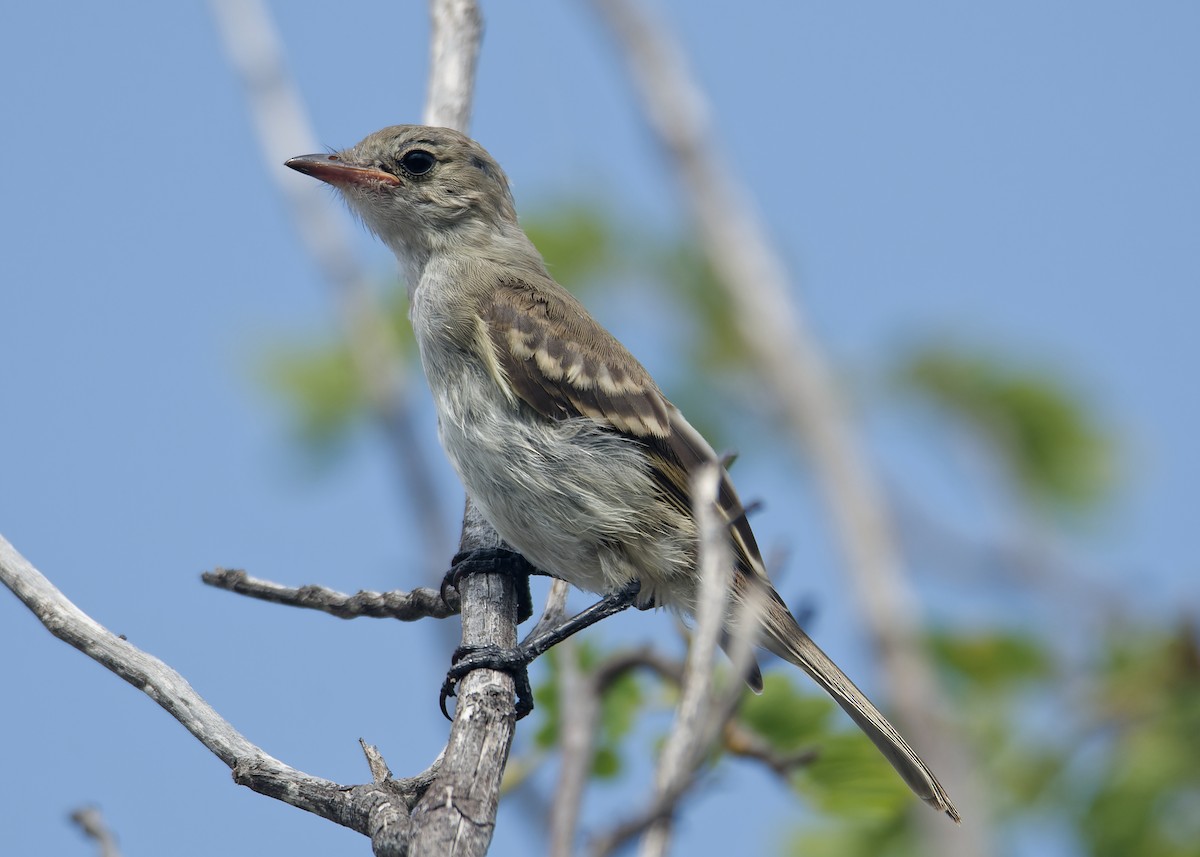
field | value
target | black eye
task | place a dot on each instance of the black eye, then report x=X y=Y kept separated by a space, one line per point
x=417 y=162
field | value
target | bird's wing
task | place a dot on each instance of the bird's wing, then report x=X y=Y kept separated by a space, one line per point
x=548 y=352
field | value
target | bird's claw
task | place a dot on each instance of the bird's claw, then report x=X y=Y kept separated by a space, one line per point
x=467 y=659
x=491 y=560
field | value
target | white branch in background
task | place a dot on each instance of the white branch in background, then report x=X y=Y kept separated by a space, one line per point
x=794 y=367
x=455 y=35
x=579 y=702
x=704 y=709
x=690 y=732
x=284 y=130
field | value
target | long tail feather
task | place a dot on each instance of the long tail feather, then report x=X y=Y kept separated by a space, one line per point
x=783 y=636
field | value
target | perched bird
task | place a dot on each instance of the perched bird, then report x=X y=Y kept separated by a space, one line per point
x=558 y=433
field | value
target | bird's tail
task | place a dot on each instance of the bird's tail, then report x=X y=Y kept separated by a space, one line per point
x=784 y=636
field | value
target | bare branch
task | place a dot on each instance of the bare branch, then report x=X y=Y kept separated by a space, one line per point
x=284 y=130
x=457 y=30
x=90 y=820
x=457 y=815
x=555 y=610
x=794 y=366
x=420 y=603
x=740 y=741
x=702 y=711
x=581 y=697
x=578 y=725
x=690 y=735
x=378 y=810
x=645 y=657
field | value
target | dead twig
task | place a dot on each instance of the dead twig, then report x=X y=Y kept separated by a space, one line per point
x=420 y=603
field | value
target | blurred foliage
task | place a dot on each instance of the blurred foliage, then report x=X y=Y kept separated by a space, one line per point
x=1120 y=769
x=991 y=660
x=1041 y=430
x=683 y=267
x=323 y=388
x=320 y=384
x=848 y=777
x=1145 y=797
x=578 y=240
x=619 y=709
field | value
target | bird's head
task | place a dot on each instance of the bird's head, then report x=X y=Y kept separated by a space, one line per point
x=418 y=187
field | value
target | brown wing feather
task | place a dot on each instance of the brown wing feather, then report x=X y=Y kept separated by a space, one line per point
x=690 y=450
x=563 y=364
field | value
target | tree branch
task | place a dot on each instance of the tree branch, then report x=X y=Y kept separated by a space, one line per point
x=740 y=741
x=371 y=809
x=578 y=722
x=457 y=815
x=420 y=603
x=581 y=696
x=456 y=33
x=703 y=709
x=689 y=737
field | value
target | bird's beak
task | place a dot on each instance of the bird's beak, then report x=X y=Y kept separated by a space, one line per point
x=332 y=169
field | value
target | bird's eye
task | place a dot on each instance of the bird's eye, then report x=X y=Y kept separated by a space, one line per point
x=417 y=162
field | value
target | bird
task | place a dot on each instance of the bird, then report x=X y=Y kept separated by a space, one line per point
x=560 y=436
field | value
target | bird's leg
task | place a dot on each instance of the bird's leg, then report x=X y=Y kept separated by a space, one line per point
x=516 y=661
x=539 y=642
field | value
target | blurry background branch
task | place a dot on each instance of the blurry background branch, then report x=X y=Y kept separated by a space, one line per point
x=91 y=822
x=702 y=712
x=284 y=130
x=802 y=387
x=455 y=36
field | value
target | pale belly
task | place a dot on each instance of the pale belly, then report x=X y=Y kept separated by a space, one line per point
x=576 y=500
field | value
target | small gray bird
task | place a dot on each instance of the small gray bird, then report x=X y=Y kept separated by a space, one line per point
x=560 y=436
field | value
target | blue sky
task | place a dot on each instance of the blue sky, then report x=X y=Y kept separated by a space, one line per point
x=1022 y=175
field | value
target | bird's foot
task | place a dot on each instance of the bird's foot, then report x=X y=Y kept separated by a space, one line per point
x=488 y=561
x=515 y=662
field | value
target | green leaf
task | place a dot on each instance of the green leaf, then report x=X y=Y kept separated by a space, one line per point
x=892 y=836
x=994 y=658
x=785 y=717
x=718 y=345
x=850 y=778
x=576 y=238
x=620 y=706
x=1052 y=444
x=321 y=386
